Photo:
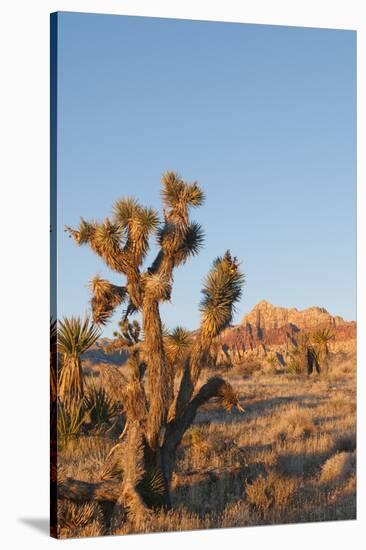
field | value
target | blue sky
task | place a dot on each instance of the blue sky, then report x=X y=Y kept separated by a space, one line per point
x=263 y=117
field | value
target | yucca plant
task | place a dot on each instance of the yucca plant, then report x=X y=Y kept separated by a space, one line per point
x=102 y=409
x=294 y=367
x=75 y=337
x=71 y=416
x=177 y=344
x=321 y=339
x=160 y=393
x=303 y=357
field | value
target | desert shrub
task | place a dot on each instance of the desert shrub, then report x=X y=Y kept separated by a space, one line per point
x=297 y=363
x=266 y=492
x=79 y=520
x=198 y=440
x=246 y=369
x=179 y=519
x=295 y=367
x=338 y=468
x=294 y=425
x=102 y=409
x=71 y=417
x=235 y=514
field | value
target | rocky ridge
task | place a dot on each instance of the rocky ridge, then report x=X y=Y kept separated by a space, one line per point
x=264 y=331
x=269 y=329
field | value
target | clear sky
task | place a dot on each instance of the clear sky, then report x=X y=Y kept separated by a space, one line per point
x=263 y=117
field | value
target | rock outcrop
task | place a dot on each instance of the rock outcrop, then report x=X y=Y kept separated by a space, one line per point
x=266 y=331
x=266 y=316
x=269 y=330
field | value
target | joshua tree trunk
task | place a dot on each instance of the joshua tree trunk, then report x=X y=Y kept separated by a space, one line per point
x=159 y=377
x=71 y=379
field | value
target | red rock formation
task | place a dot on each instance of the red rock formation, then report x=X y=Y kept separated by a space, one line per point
x=271 y=328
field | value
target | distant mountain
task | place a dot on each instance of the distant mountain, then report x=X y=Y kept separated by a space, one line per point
x=266 y=316
x=98 y=354
x=266 y=329
x=269 y=328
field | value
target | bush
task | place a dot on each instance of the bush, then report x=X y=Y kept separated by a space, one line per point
x=266 y=492
x=198 y=440
x=102 y=409
x=246 y=369
x=80 y=520
x=71 y=417
x=295 y=367
x=294 y=425
x=338 y=468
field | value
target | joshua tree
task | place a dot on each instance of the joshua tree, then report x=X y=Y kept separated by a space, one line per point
x=303 y=356
x=321 y=339
x=161 y=394
x=74 y=338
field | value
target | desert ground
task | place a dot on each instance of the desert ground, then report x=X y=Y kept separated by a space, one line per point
x=289 y=457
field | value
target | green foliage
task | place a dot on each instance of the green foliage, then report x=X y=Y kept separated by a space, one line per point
x=124 y=211
x=322 y=337
x=192 y=242
x=295 y=367
x=221 y=290
x=101 y=408
x=151 y=487
x=76 y=337
x=177 y=344
x=71 y=417
x=297 y=363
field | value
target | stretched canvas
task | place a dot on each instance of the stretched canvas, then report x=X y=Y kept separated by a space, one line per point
x=203 y=275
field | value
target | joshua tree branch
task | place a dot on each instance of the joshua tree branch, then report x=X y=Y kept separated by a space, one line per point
x=191 y=372
x=214 y=387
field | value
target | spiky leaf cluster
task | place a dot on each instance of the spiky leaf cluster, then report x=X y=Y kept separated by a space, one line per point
x=322 y=337
x=75 y=336
x=176 y=193
x=139 y=223
x=222 y=289
x=101 y=407
x=105 y=298
x=177 y=345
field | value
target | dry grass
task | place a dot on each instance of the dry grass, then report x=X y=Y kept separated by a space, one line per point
x=80 y=520
x=289 y=458
x=338 y=468
x=265 y=493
